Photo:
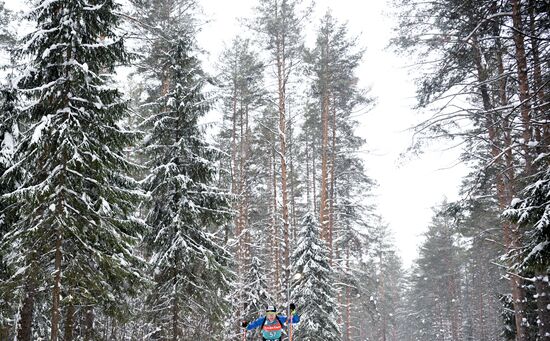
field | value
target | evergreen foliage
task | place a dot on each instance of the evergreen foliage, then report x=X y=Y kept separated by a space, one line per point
x=75 y=202
x=190 y=264
x=313 y=290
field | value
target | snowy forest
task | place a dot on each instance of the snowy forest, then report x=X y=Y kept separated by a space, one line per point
x=126 y=214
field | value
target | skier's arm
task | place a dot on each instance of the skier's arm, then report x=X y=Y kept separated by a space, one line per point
x=256 y=323
x=295 y=318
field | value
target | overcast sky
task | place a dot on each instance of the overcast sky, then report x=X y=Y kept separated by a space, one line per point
x=407 y=189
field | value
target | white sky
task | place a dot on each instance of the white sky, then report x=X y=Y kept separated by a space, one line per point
x=406 y=193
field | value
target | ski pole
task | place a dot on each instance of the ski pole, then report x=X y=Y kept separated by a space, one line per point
x=244 y=335
x=290 y=328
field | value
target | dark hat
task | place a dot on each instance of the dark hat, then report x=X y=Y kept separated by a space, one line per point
x=270 y=309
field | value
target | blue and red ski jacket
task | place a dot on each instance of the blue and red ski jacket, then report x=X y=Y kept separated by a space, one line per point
x=272 y=330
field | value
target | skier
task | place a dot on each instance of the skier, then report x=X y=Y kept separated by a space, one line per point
x=272 y=324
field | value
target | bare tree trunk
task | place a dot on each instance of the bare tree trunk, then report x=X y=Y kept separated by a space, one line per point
x=542 y=130
x=292 y=176
x=504 y=188
x=89 y=324
x=239 y=180
x=274 y=226
x=518 y=292
x=323 y=208
x=332 y=200
x=455 y=310
x=24 y=332
x=348 y=302
x=314 y=175
x=481 y=308
x=281 y=79
x=523 y=83
x=245 y=184
x=234 y=163
x=175 y=307
x=56 y=288
x=308 y=179
x=543 y=304
x=69 y=323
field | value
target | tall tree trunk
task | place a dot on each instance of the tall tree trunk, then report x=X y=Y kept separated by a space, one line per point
x=308 y=178
x=56 y=294
x=24 y=332
x=314 y=174
x=538 y=99
x=332 y=200
x=239 y=179
x=175 y=307
x=348 y=301
x=543 y=305
x=542 y=130
x=274 y=226
x=292 y=177
x=89 y=324
x=518 y=291
x=504 y=188
x=481 y=307
x=245 y=183
x=69 y=323
x=234 y=163
x=281 y=82
x=523 y=80
x=325 y=108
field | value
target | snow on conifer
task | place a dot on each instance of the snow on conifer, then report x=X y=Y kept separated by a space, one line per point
x=312 y=290
x=75 y=230
x=191 y=266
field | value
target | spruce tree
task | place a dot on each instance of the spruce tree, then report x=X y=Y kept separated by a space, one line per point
x=75 y=230
x=436 y=282
x=312 y=287
x=9 y=135
x=190 y=264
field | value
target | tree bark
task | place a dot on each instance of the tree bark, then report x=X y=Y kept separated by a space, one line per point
x=325 y=107
x=234 y=161
x=523 y=80
x=543 y=305
x=24 y=332
x=542 y=130
x=505 y=189
x=348 y=301
x=175 y=307
x=56 y=294
x=89 y=324
x=274 y=228
x=332 y=200
x=281 y=85
x=69 y=323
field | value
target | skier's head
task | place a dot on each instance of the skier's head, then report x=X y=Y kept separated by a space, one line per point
x=270 y=312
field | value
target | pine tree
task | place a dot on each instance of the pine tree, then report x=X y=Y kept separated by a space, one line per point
x=242 y=91
x=190 y=264
x=477 y=52
x=313 y=290
x=279 y=26
x=75 y=229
